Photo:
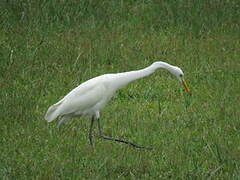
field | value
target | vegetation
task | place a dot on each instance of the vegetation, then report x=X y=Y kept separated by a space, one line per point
x=49 y=47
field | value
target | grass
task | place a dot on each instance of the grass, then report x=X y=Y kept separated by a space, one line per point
x=47 y=51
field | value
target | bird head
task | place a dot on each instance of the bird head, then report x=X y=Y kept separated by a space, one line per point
x=178 y=73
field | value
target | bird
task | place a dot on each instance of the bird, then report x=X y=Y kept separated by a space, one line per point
x=91 y=96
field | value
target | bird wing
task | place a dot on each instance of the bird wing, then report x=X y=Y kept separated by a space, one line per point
x=80 y=102
x=81 y=98
x=86 y=100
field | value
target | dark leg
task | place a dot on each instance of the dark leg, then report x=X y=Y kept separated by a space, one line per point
x=90 y=130
x=117 y=140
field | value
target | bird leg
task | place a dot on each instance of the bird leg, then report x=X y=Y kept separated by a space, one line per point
x=117 y=140
x=90 y=131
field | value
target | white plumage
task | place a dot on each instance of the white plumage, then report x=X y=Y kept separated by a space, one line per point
x=91 y=96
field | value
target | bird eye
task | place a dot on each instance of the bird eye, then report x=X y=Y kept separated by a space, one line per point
x=181 y=75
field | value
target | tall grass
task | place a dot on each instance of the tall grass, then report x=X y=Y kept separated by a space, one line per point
x=195 y=16
x=49 y=47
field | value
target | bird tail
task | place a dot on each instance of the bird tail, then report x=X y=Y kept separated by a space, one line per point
x=52 y=112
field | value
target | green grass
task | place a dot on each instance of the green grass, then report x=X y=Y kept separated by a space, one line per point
x=49 y=47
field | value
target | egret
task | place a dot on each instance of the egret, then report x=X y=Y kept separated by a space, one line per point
x=91 y=96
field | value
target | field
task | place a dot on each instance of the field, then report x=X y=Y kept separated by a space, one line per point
x=49 y=47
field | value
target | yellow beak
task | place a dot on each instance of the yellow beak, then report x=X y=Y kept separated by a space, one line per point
x=185 y=86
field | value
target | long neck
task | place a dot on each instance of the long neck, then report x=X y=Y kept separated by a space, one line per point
x=128 y=77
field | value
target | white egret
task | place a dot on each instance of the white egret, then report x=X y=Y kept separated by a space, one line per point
x=91 y=96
